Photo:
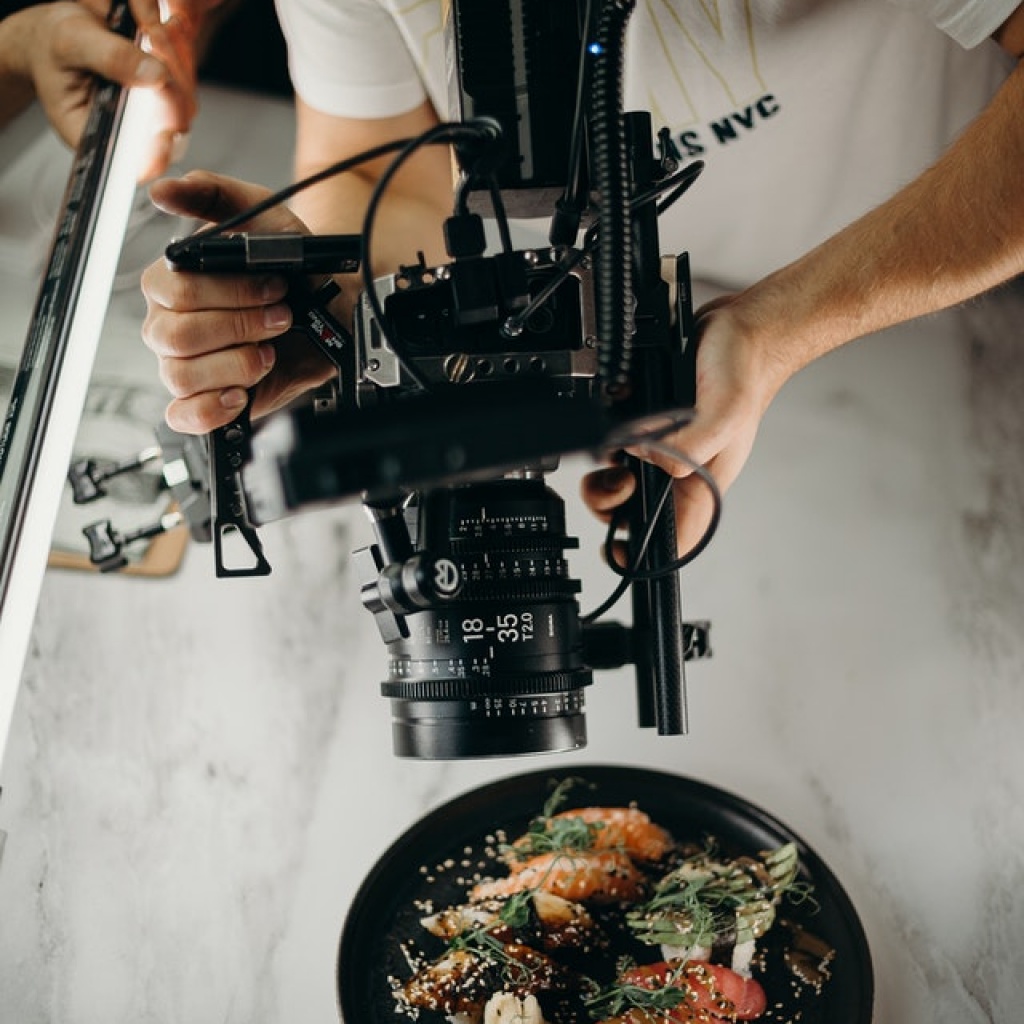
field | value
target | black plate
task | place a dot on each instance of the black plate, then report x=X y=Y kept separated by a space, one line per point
x=437 y=856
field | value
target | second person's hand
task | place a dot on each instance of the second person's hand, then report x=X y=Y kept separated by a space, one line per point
x=58 y=50
x=738 y=375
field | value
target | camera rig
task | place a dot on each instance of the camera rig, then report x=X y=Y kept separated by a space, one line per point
x=460 y=386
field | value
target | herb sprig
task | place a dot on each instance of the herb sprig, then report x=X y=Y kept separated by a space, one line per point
x=482 y=941
x=547 y=833
x=705 y=900
x=615 y=999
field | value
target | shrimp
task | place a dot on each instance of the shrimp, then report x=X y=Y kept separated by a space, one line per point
x=625 y=829
x=605 y=876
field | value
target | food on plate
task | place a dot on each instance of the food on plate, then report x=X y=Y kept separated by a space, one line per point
x=608 y=876
x=463 y=981
x=546 y=920
x=600 y=914
x=625 y=829
x=504 y=1008
x=679 y=991
x=708 y=904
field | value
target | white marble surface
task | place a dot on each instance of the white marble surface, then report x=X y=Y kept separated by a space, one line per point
x=200 y=772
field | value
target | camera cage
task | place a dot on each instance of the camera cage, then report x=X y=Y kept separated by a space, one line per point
x=573 y=347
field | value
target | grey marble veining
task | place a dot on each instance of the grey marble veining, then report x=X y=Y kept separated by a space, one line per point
x=200 y=772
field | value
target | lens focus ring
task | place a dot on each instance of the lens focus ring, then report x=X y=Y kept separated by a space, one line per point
x=534 y=684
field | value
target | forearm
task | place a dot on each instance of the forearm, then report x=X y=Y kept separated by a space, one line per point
x=951 y=234
x=405 y=222
x=413 y=207
x=16 y=88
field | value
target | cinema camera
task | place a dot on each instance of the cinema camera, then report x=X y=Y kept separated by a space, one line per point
x=460 y=386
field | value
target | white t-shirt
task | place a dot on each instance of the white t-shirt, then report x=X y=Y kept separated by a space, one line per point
x=806 y=112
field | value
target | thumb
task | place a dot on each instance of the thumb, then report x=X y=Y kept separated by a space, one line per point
x=698 y=442
x=83 y=42
x=215 y=197
x=695 y=509
x=696 y=501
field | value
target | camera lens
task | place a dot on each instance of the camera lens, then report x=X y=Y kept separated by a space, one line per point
x=497 y=669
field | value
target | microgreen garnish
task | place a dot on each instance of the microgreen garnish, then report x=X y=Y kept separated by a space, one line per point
x=515 y=912
x=617 y=998
x=548 y=834
x=558 y=796
x=705 y=900
x=479 y=941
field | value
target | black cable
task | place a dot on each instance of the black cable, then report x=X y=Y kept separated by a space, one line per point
x=628 y=578
x=681 y=181
x=608 y=603
x=565 y=221
x=610 y=166
x=632 y=573
x=438 y=134
x=276 y=198
x=445 y=132
x=500 y=215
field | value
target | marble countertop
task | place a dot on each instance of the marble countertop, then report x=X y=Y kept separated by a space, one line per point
x=200 y=772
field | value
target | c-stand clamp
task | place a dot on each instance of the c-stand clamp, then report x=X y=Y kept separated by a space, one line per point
x=184 y=475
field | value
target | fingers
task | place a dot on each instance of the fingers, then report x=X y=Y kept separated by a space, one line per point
x=605 y=490
x=189 y=314
x=173 y=44
x=210 y=332
x=73 y=45
x=205 y=412
x=215 y=197
x=718 y=420
x=188 y=11
x=210 y=311
x=165 y=63
x=275 y=374
x=210 y=335
x=81 y=41
x=211 y=390
x=721 y=447
x=68 y=46
x=242 y=366
x=694 y=510
x=166 y=147
x=145 y=12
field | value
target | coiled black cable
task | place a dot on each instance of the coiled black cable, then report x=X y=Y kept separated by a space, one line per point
x=610 y=170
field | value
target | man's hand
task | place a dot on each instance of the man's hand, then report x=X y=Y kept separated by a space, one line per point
x=738 y=375
x=56 y=50
x=212 y=332
x=951 y=234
